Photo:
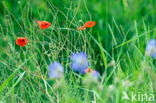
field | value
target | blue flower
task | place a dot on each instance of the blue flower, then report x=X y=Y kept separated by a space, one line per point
x=93 y=73
x=151 y=48
x=79 y=62
x=56 y=70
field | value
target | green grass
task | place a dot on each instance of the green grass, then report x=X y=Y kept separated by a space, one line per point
x=115 y=47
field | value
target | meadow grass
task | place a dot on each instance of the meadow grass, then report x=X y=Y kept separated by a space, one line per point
x=114 y=49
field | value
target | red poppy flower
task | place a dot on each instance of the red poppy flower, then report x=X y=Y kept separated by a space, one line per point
x=43 y=24
x=81 y=28
x=89 y=24
x=88 y=70
x=21 y=41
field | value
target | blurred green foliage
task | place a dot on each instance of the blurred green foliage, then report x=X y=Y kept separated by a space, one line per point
x=126 y=18
x=124 y=12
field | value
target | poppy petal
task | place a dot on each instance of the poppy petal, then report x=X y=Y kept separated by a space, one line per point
x=89 y=24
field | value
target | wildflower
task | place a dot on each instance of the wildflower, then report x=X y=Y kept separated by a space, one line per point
x=89 y=24
x=91 y=80
x=21 y=41
x=93 y=73
x=88 y=70
x=81 y=28
x=43 y=24
x=151 y=48
x=56 y=70
x=79 y=62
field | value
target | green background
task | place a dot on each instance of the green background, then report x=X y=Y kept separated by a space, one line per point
x=115 y=47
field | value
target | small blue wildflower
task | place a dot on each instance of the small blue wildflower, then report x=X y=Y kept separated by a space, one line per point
x=56 y=70
x=79 y=62
x=151 y=48
x=93 y=73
